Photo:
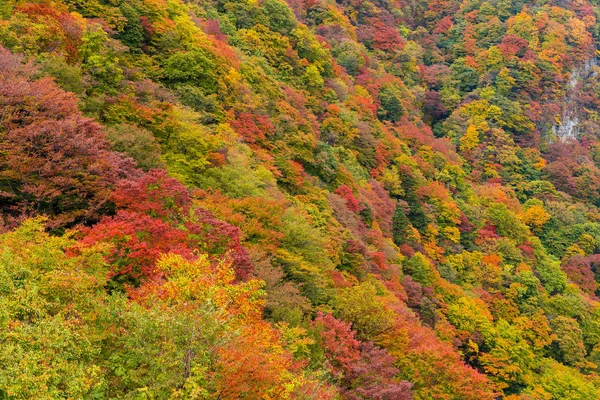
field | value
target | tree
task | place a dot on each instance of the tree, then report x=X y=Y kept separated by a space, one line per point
x=49 y=346
x=367 y=312
x=391 y=107
x=400 y=226
x=56 y=162
x=138 y=143
x=196 y=67
x=133 y=32
x=535 y=217
x=568 y=345
x=155 y=217
x=364 y=370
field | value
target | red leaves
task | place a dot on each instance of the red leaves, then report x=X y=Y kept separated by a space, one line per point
x=155 y=194
x=381 y=35
x=155 y=219
x=512 y=45
x=351 y=202
x=444 y=25
x=220 y=239
x=253 y=128
x=387 y=38
x=339 y=344
x=414 y=292
x=572 y=171
x=138 y=241
x=374 y=373
x=365 y=370
x=487 y=232
x=25 y=101
x=433 y=105
x=55 y=161
x=579 y=271
x=63 y=30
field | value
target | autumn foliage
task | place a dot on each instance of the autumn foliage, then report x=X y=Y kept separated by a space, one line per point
x=286 y=199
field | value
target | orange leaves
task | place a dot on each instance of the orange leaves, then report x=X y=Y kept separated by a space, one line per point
x=253 y=365
x=52 y=28
x=249 y=360
x=202 y=281
x=435 y=367
x=258 y=218
x=491 y=270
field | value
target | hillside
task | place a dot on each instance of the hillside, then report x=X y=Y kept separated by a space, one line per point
x=299 y=199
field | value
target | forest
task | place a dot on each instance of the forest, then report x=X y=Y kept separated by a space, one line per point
x=300 y=199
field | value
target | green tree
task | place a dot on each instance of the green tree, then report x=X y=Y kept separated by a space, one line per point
x=365 y=309
x=568 y=347
x=400 y=226
x=133 y=33
x=49 y=306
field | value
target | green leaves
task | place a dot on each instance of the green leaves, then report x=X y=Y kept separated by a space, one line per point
x=48 y=305
x=195 y=67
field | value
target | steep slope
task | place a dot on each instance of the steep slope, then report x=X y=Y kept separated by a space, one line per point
x=365 y=200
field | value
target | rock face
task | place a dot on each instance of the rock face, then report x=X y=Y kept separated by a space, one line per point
x=568 y=126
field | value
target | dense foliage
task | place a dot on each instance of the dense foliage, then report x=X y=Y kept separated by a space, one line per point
x=304 y=199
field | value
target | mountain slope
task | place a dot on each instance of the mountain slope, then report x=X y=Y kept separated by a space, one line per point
x=302 y=199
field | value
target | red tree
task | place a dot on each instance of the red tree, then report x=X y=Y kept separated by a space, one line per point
x=365 y=370
x=155 y=217
x=55 y=161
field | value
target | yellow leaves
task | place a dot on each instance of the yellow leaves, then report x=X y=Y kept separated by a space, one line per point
x=451 y=233
x=505 y=81
x=487 y=93
x=535 y=217
x=573 y=250
x=495 y=113
x=557 y=119
x=478 y=110
x=536 y=330
x=426 y=153
x=470 y=315
x=470 y=139
x=522 y=25
x=234 y=86
x=296 y=339
x=490 y=169
x=189 y=33
x=365 y=308
x=587 y=243
x=200 y=282
x=578 y=33
x=312 y=77
x=491 y=59
x=391 y=182
x=335 y=16
x=431 y=232
x=48 y=301
x=472 y=347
